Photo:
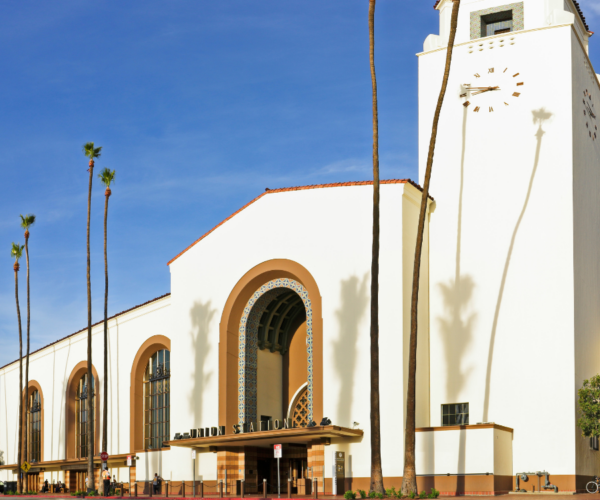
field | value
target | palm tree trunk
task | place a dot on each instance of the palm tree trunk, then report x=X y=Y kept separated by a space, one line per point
x=376 y=469
x=26 y=413
x=409 y=477
x=89 y=347
x=20 y=438
x=105 y=408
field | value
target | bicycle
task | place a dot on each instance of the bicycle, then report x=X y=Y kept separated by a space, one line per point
x=592 y=486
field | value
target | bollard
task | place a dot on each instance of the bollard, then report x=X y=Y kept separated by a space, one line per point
x=182 y=489
x=166 y=489
x=315 y=488
x=135 y=490
x=264 y=488
x=201 y=489
x=289 y=488
x=221 y=489
x=151 y=488
x=242 y=488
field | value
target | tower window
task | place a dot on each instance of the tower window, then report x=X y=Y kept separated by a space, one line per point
x=455 y=414
x=497 y=20
x=495 y=24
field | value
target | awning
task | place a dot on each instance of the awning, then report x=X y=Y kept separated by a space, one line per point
x=269 y=438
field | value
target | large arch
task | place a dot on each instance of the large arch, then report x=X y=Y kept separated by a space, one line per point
x=229 y=333
x=76 y=374
x=136 y=409
x=33 y=386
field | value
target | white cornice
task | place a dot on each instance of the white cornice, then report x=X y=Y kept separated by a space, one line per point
x=517 y=33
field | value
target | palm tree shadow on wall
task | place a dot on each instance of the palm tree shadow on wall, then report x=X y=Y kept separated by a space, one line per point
x=456 y=326
x=539 y=116
x=354 y=302
x=201 y=316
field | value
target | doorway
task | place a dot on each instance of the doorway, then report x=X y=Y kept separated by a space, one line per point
x=263 y=470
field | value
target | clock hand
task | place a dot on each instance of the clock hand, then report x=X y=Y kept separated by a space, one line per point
x=489 y=89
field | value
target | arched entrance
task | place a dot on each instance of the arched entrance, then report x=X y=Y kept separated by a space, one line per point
x=249 y=288
x=268 y=326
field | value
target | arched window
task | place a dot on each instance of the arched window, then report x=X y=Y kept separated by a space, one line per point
x=84 y=404
x=157 y=381
x=299 y=410
x=34 y=427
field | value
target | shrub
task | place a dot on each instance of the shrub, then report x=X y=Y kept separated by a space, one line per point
x=363 y=493
x=391 y=492
x=434 y=493
x=380 y=495
x=412 y=494
x=349 y=495
x=423 y=494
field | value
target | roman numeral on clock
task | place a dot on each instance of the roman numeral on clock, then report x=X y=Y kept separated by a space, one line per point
x=491 y=70
x=477 y=75
x=467 y=104
x=491 y=109
x=476 y=110
x=516 y=94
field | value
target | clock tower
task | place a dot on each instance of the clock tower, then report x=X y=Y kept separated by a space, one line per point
x=515 y=236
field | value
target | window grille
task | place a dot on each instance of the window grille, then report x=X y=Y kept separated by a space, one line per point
x=35 y=427
x=455 y=414
x=300 y=411
x=495 y=24
x=84 y=404
x=157 y=381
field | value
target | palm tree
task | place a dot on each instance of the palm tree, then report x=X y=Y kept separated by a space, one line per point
x=409 y=477
x=91 y=152
x=106 y=177
x=26 y=222
x=376 y=469
x=17 y=252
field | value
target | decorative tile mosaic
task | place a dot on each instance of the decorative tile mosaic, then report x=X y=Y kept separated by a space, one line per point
x=517 y=12
x=248 y=345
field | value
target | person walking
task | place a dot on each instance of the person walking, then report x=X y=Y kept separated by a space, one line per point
x=155 y=483
x=106 y=481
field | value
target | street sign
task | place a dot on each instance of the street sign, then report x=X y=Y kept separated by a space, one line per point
x=277 y=449
x=26 y=466
x=129 y=461
x=104 y=456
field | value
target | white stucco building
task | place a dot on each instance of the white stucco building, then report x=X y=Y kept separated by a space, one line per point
x=264 y=333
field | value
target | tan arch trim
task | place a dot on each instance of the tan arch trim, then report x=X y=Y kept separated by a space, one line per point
x=76 y=374
x=136 y=390
x=35 y=385
x=229 y=334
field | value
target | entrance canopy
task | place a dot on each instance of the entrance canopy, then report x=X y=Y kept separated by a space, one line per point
x=269 y=438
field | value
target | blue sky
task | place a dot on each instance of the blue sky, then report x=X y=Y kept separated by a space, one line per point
x=199 y=107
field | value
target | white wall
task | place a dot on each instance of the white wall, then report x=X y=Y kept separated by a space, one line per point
x=586 y=237
x=501 y=266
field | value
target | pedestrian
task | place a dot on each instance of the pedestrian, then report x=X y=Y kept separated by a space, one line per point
x=155 y=483
x=106 y=481
x=46 y=486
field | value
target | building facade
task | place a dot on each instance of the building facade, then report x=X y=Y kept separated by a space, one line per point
x=264 y=338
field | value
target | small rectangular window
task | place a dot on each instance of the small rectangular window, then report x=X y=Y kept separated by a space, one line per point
x=455 y=414
x=495 y=24
x=594 y=443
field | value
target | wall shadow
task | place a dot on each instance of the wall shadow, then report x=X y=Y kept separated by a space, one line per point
x=456 y=326
x=201 y=316
x=539 y=118
x=62 y=435
x=354 y=302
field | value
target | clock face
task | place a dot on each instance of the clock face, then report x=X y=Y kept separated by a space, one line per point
x=492 y=90
x=591 y=121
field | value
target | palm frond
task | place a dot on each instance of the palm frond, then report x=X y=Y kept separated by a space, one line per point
x=16 y=251
x=107 y=176
x=90 y=151
x=27 y=221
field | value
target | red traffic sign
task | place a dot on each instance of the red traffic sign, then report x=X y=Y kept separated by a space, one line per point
x=104 y=456
x=277 y=449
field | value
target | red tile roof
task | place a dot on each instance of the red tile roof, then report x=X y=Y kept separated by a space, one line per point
x=98 y=323
x=574 y=1
x=298 y=188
